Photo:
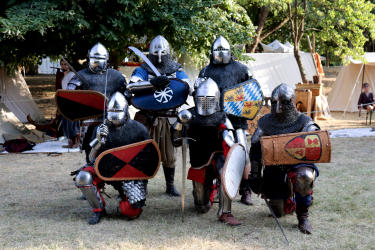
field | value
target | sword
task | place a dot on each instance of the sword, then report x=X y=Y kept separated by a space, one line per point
x=140 y=54
x=185 y=118
x=75 y=72
x=274 y=216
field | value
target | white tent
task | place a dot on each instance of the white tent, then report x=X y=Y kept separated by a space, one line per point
x=277 y=47
x=348 y=85
x=273 y=69
x=9 y=124
x=45 y=67
x=17 y=98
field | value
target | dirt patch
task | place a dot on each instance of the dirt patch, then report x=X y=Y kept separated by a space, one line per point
x=43 y=87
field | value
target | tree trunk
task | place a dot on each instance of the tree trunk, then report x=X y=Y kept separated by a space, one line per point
x=300 y=64
x=250 y=48
x=327 y=59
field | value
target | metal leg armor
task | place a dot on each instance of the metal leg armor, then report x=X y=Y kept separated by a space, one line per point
x=241 y=138
x=201 y=195
x=84 y=181
x=305 y=177
x=83 y=131
x=225 y=204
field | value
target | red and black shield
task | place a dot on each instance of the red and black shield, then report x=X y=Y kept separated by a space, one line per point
x=137 y=161
x=77 y=105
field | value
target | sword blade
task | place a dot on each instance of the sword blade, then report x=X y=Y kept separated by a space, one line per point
x=274 y=216
x=183 y=176
x=140 y=54
x=75 y=72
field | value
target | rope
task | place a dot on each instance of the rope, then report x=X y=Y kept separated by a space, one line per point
x=30 y=100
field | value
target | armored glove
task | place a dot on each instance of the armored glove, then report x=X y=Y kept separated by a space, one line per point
x=102 y=132
x=160 y=82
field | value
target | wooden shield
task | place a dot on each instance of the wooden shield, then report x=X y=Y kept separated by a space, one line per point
x=171 y=97
x=76 y=105
x=231 y=174
x=242 y=100
x=305 y=147
x=137 y=161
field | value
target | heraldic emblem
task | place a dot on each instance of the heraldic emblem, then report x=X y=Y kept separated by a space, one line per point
x=244 y=100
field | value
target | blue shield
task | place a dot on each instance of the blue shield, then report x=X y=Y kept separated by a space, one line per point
x=171 y=97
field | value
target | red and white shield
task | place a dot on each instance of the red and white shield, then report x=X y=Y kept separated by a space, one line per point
x=305 y=147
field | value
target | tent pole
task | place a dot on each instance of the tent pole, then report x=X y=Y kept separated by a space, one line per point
x=363 y=75
x=353 y=90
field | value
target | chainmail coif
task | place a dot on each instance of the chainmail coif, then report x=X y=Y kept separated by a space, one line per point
x=166 y=67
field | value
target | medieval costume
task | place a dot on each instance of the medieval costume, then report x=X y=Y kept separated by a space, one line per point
x=213 y=135
x=281 y=183
x=227 y=73
x=118 y=131
x=99 y=78
x=159 y=122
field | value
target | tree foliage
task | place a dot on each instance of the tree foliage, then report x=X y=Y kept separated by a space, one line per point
x=32 y=29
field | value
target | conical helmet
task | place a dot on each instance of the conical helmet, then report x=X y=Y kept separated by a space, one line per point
x=159 y=47
x=98 y=58
x=207 y=97
x=220 y=50
x=117 y=109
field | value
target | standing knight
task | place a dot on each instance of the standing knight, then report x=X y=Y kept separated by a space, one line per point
x=99 y=78
x=213 y=135
x=119 y=130
x=227 y=73
x=279 y=182
x=159 y=122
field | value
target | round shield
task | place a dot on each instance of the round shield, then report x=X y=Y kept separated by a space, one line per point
x=231 y=174
x=170 y=97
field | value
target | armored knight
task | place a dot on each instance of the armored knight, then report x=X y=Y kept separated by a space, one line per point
x=227 y=73
x=119 y=130
x=99 y=78
x=213 y=135
x=279 y=183
x=158 y=123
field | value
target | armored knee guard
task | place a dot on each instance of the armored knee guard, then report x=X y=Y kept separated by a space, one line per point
x=225 y=204
x=305 y=177
x=201 y=195
x=84 y=181
x=241 y=139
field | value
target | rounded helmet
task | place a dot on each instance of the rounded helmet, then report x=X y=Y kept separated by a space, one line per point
x=283 y=97
x=220 y=50
x=207 y=97
x=159 y=47
x=117 y=109
x=98 y=58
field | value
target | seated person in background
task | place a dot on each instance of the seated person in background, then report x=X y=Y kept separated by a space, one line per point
x=71 y=129
x=365 y=98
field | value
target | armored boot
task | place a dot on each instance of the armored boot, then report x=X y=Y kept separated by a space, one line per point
x=245 y=192
x=225 y=207
x=169 y=179
x=304 y=225
x=96 y=216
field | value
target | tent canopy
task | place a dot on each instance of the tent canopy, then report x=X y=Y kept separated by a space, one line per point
x=273 y=69
x=45 y=67
x=348 y=85
x=278 y=47
x=16 y=96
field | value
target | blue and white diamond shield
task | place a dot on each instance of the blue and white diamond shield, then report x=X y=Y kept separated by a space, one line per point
x=243 y=100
